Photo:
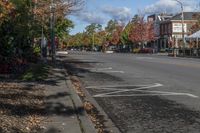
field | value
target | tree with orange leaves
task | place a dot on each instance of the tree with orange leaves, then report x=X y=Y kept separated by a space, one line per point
x=196 y=26
x=6 y=9
x=116 y=35
x=141 y=31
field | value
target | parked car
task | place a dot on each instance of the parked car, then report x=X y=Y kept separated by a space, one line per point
x=146 y=50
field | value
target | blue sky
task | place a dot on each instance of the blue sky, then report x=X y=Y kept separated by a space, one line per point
x=101 y=11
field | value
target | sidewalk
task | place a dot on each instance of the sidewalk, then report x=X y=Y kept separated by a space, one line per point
x=64 y=109
x=42 y=100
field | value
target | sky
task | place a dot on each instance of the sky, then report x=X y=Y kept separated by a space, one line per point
x=101 y=11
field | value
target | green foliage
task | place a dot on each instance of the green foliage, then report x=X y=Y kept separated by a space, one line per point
x=63 y=27
x=92 y=32
x=36 y=50
x=136 y=50
x=36 y=72
x=125 y=34
x=22 y=25
x=15 y=31
x=111 y=26
x=93 y=28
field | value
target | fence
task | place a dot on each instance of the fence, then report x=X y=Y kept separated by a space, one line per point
x=188 y=52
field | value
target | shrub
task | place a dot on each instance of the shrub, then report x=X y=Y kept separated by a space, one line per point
x=136 y=50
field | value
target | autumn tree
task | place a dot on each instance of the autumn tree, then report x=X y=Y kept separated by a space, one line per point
x=101 y=37
x=92 y=30
x=62 y=8
x=6 y=10
x=86 y=39
x=116 y=35
x=150 y=32
x=196 y=26
x=125 y=34
x=141 y=31
x=22 y=22
x=110 y=28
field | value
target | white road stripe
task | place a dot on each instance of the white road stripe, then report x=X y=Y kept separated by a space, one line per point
x=109 y=68
x=169 y=93
x=107 y=71
x=103 y=70
x=140 y=88
x=125 y=90
x=113 y=71
x=141 y=58
x=114 y=86
x=140 y=95
x=96 y=69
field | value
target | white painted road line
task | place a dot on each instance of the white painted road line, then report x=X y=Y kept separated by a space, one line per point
x=126 y=90
x=98 y=69
x=103 y=70
x=113 y=71
x=140 y=95
x=106 y=71
x=137 y=88
x=171 y=93
x=117 y=86
x=141 y=58
x=109 y=68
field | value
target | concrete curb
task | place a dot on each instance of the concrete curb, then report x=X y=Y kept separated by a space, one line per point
x=85 y=124
x=109 y=124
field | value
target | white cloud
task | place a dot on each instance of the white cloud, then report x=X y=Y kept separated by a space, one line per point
x=170 y=6
x=122 y=14
x=90 y=17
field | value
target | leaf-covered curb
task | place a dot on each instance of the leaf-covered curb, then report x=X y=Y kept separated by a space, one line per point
x=92 y=111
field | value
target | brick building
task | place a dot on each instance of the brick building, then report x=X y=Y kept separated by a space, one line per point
x=157 y=19
x=168 y=28
x=171 y=29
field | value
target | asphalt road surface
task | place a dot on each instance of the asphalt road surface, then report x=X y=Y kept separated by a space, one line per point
x=142 y=93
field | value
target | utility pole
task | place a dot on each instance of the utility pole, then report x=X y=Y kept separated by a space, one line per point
x=92 y=41
x=182 y=21
x=52 y=24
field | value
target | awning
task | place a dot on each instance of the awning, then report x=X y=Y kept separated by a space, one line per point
x=195 y=36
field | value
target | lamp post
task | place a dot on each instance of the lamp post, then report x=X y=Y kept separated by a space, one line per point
x=182 y=21
x=52 y=23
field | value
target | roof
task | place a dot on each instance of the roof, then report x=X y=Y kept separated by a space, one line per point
x=194 y=36
x=160 y=17
x=187 y=16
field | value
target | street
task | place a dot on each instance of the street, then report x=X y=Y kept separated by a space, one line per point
x=142 y=93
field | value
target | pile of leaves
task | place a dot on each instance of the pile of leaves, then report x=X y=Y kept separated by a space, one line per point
x=21 y=108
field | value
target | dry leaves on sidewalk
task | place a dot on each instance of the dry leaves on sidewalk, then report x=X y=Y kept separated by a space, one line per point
x=21 y=108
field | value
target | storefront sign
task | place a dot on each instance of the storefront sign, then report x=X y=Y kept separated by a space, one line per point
x=177 y=27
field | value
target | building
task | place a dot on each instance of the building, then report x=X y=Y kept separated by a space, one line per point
x=157 y=19
x=171 y=30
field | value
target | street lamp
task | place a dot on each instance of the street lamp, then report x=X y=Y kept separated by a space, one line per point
x=52 y=23
x=182 y=21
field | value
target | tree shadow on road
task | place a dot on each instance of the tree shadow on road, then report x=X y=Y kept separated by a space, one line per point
x=79 y=68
